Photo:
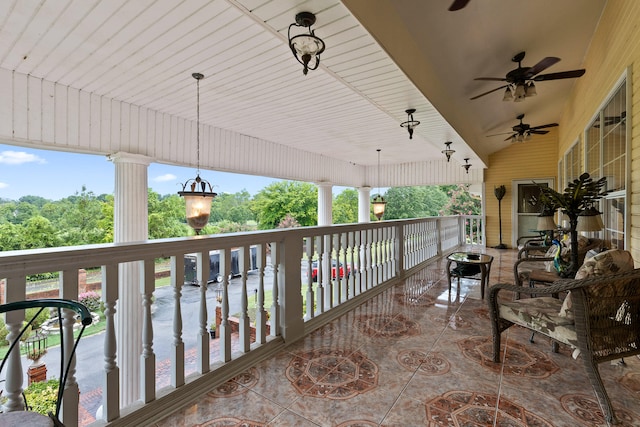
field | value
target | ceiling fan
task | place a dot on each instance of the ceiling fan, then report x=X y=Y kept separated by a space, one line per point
x=520 y=80
x=522 y=131
x=611 y=120
x=457 y=5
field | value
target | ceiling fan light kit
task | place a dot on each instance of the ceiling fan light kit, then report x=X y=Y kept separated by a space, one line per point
x=523 y=131
x=520 y=81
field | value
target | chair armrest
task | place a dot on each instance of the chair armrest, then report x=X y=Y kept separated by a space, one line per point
x=522 y=239
x=536 y=260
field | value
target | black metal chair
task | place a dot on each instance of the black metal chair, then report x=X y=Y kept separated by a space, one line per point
x=16 y=410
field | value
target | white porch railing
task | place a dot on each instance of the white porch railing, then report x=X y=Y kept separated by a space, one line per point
x=352 y=261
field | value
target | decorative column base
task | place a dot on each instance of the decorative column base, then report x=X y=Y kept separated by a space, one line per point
x=37 y=373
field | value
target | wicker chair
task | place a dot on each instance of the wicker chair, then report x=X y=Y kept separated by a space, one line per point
x=605 y=324
x=17 y=410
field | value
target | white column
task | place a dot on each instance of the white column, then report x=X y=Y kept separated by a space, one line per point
x=364 y=204
x=325 y=203
x=130 y=224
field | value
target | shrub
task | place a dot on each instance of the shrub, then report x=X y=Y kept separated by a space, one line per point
x=92 y=301
x=38 y=321
x=41 y=396
x=3 y=332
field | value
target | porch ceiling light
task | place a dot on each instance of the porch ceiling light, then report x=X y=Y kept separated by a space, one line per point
x=306 y=48
x=448 y=151
x=199 y=195
x=466 y=165
x=379 y=203
x=410 y=124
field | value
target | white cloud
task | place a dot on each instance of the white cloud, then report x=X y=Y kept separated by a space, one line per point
x=166 y=177
x=19 y=157
x=3 y=185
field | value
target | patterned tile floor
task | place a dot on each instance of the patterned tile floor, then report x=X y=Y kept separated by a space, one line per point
x=418 y=355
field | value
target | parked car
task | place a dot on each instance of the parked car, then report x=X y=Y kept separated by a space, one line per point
x=335 y=267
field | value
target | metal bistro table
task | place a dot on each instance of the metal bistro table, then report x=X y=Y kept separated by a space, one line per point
x=470 y=258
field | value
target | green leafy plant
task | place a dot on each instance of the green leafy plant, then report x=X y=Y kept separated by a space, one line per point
x=42 y=396
x=92 y=301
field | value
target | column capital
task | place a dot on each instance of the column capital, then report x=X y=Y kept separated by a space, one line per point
x=123 y=157
x=324 y=184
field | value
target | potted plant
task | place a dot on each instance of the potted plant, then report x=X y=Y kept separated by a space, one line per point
x=212 y=330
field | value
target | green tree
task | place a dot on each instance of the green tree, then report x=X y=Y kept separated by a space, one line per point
x=80 y=224
x=166 y=216
x=461 y=202
x=274 y=202
x=11 y=236
x=414 y=202
x=345 y=207
x=40 y=233
x=234 y=207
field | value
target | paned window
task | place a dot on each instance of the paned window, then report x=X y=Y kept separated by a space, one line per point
x=606 y=156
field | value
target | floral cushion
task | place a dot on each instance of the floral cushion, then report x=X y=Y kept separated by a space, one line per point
x=540 y=314
x=607 y=262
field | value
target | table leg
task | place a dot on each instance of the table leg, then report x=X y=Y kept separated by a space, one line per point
x=449 y=273
x=483 y=279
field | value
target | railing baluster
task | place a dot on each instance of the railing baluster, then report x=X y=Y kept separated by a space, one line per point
x=111 y=392
x=148 y=358
x=70 y=401
x=245 y=330
x=204 y=356
x=321 y=296
x=275 y=308
x=177 y=352
x=225 y=327
x=309 y=314
x=261 y=314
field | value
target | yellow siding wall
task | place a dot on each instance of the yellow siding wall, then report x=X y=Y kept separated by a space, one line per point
x=614 y=47
x=534 y=159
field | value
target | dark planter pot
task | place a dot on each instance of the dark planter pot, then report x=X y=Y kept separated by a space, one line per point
x=212 y=334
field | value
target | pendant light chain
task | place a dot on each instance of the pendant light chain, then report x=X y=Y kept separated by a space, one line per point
x=378 y=150
x=198 y=125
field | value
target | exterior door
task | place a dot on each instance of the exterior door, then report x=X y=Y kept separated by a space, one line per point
x=525 y=210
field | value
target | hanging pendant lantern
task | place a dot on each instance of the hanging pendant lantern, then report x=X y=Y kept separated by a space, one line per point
x=197 y=192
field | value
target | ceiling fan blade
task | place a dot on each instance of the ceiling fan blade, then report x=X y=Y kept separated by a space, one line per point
x=491 y=79
x=457 y=5
x=543 y=65
x=550 y=125
x=538 y=132
x=561 y=75
x=501 y=133
x=487 y=93
x=512 y=137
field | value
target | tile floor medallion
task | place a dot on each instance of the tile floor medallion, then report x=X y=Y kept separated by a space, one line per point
x=631 y=381
x=387 y=326
x=520 y=360
x=230 y=422
x=587 y=411
x=360 y=423
x=332 y=373
x=237 y=385
x=467 y=408
x=426 y=363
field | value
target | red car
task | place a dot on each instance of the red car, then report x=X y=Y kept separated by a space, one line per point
x=334 y=266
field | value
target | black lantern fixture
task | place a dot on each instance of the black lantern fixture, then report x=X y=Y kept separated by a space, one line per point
x=466 y=165
x=379 y=203
x=410 y=124
x=448 y=151
x=306 y=47
x=199 y=195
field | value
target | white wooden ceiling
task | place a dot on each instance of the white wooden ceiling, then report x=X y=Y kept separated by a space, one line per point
x=144 y=51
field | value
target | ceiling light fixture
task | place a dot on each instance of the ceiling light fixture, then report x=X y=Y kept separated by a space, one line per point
x=378 y=202
x=508 y=96
x=467 y=165
x=410 y=124
x=306 y=48
x=448 y=151
x=198 y=200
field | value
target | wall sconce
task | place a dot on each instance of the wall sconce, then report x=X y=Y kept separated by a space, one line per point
x=410 y=124
x=467 y=165
x=306 y=48
x=378 y=202
x=448 y=151
x=198 y=200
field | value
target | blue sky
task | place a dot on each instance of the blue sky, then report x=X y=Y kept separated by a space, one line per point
x=55 y=175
